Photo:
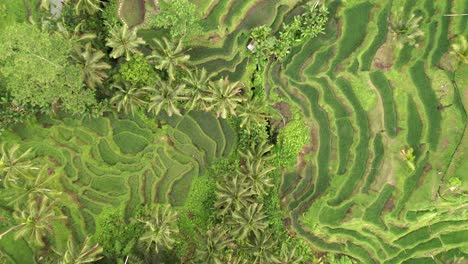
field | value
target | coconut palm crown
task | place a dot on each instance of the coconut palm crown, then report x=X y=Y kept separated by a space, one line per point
x=93 y=69
x=223 y=97
x=124 y=42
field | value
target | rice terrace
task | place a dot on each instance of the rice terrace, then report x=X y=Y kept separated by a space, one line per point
x=233 y=131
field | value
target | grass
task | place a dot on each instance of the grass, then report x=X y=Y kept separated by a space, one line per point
x=380 y=38
x=110 y=162
x=386 y=95
x=430 y=102
x=199 y=138
x=355 y=195
x=414 y=124
x=130 y=143
x=376 y=163
x=13 y=11
x=132 y=12
x=355 y=20
x=374 y=211
x=212 y=128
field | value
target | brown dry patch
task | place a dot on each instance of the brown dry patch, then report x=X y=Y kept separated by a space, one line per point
x=427 y=168
x=446 y=63
x=389 y=205
x=445 y=144
x=285 y=111
x=384 y=56
x=75 y=198
x=54 y=161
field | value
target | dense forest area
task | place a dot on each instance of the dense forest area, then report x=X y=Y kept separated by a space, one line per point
x=229 y=131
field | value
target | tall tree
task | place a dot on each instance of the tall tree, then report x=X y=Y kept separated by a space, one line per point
x=289 y=255
x=36 y=221
x=169 y=56
x=223 y=97
x=250 y=220
x=89 y=7
x=31 y=187
x=86 y=253
x=37 y=71
x=263 y=248
x=406 y=30
x=14 y=165
x=215 y=244
x=166 y=96
x=258 y=151
x=159 y=228
x=127 y=98
x=197 y=81
x=252 y=113
x=124 y=41
x=258 y=174
x=93 y=69
x=233 y=194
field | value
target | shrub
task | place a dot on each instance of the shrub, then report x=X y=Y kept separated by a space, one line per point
x=291 y=140
x=115 y=235
x=138 y=72
x=311 y=23
x=180 y=17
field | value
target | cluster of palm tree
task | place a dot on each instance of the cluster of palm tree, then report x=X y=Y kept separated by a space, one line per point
x=406 y=30
x=26 y=189
x=182 y=88
x=241 y=234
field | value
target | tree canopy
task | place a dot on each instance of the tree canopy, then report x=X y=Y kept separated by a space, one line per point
x=37 y=69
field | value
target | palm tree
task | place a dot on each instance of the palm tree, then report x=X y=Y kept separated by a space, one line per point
x=166 y=96
x=233 y=194
x=258 y=151
x=87 y=6
x=169 y=56
x=250 y=220
x=223 y=97
x=459 y=49
x=408 y=155
x=36 y=221
x=257 y=172
x=127 y=98
x=87 y=253
x=76 y=36
x=13 y=165
x=263 y=249
x=159 y=228
x=30 y=188
x=232 y=258
x=93 y=70
x=215 y=244
x=123 y=41
x=197 y=81
x=288 y=255
x=406 y=30
x=252 y=113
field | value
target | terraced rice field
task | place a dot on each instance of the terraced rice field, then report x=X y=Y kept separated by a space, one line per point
x=365 y=100
x=123 y=161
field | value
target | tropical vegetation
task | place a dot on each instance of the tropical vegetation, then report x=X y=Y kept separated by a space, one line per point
x=196 y=131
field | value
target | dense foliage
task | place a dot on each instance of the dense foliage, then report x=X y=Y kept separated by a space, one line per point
x=44 y=69
x=309 y=24
x=141 y=145
x=180 y=17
